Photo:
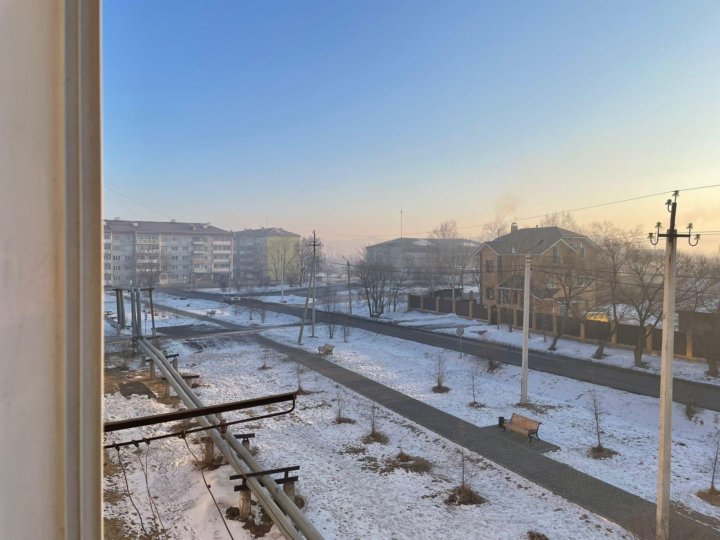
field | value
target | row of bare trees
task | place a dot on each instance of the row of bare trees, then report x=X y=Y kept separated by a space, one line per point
x=622 y=277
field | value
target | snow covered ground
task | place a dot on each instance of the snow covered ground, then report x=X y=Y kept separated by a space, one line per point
x=447 y=323
x=232 y=313
x=629 y=422
x=350 y=490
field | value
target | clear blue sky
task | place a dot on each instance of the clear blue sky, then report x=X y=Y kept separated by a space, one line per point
x=335 y=115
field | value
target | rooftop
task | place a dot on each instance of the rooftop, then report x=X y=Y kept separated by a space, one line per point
x=159 y=227
x=265 y=232
x=531 y=240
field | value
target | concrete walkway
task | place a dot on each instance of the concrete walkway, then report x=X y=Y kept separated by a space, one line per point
x=514 y=453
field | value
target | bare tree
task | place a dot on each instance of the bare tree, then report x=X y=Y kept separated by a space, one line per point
x=598 y=451
x=397 y=285
x=224 y=282
x=149 y=266
x=375 y=277
x=299 y=372
x=284 y=259
x=474 y=376
x=705 y=309
x=570 y=282
x=713 y=490
x=375 y=435
x=329 y=301
x=439 y=374
x=346 y=330
x=615 y=246
x=564 y=220
x=642 y=291
x=453 y=256
x=596 y=415
x=305 y=258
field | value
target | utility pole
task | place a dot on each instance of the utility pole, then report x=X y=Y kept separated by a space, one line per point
x=526 y=331
x=304 y=317
x=662 y=516
x=282 y=278
x=349 y=293
x=315 y=244
x=401 y=223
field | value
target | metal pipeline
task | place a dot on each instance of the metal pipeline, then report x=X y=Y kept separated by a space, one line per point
x=282 y=510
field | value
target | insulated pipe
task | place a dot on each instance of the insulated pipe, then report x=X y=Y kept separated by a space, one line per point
x=281 y=503
x=279 y=518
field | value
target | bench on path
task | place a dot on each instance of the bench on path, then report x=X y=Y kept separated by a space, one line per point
x=211 y=312
x=326 y=349
x=523 y=425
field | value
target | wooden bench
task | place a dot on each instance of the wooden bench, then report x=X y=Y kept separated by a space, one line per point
x=211 y=312
x=523 y=425
x=326 y=349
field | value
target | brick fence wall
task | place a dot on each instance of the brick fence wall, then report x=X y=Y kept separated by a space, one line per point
x=585 y=330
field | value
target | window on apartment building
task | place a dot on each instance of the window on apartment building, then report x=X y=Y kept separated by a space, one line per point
x=556 y=254
x=490 y=266
x=490 y=293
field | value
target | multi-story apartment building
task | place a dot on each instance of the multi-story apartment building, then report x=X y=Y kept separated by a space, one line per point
x=264 y=256
x=556 y=255
x=146 y=253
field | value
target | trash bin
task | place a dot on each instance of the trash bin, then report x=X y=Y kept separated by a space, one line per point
x=501 y=421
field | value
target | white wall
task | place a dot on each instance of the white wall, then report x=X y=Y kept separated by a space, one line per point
x=49 y=415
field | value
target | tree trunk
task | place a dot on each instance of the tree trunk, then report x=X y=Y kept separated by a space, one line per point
x=712 y=361
x=639 y=347
x=561 y=331
x=599 y=353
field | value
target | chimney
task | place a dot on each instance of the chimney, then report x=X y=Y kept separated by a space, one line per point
x=513 y=227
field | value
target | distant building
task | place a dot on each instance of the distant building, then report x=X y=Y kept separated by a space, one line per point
x=553 y=251
x=265 y=256
x=427 y=261
x=150 y=253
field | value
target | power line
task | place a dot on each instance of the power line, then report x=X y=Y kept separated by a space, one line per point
x=569 y=211
x=207 y=486
x=116 y=192
x=153 y=506
x=127 y=490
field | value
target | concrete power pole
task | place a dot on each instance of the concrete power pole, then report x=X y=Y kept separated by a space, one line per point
x=315 y=244
x=349 y=293
x=304 y=317
x=662 y=517
x=282 y=278
x=526 y=332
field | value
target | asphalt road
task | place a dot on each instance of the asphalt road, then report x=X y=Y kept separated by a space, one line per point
x=698 y=394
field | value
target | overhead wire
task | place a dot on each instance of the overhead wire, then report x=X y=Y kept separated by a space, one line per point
x=153 y=505
x=207 y=486
x=127 y=490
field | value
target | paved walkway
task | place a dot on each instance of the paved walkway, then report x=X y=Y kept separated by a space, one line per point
x=514 y=453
